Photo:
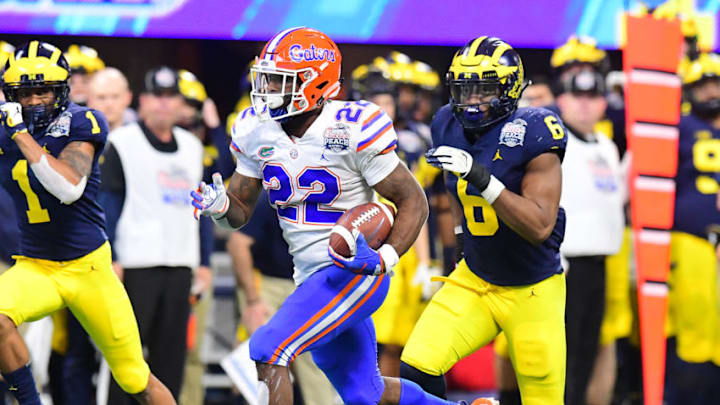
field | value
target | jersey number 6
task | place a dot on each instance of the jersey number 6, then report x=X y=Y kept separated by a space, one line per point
x=479 y=215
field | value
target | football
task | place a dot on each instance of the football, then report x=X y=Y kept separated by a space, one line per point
x=373 y=220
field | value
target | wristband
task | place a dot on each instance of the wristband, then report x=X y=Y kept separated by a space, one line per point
x=493 y=190
x=389 y=257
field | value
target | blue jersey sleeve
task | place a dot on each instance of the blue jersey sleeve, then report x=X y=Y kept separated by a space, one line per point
x=89 y=125
x=545 y=133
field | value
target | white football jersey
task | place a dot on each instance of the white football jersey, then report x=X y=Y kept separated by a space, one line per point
x=312 y=180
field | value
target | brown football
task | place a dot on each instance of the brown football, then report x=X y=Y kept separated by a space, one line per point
x=373 y=220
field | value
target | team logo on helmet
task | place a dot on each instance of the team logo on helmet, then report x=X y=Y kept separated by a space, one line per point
x=299 y=54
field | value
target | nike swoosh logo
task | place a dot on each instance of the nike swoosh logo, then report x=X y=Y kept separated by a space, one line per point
x=12 y=388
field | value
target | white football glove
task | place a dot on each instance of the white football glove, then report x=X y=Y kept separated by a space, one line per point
x=450 y=159
x=423 y=276
x=211 y=199
x=12 y=118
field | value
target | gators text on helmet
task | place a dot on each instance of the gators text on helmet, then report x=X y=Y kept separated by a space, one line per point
x=297 y=71
x=486 y=71
x=37 y=65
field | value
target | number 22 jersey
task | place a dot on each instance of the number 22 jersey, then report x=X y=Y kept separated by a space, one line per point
x=492 y=250
x=312 y=180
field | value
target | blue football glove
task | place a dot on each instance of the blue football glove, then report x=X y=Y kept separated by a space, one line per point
x=11 y=119
x=366 y=260
x=210 y=199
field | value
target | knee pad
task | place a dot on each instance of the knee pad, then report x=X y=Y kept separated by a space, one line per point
x=432 y=384
x=131 y=379
x=263 y=345
x=531 y=347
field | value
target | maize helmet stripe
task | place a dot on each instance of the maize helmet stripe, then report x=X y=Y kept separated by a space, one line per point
x=32 y=52
x=55 y=55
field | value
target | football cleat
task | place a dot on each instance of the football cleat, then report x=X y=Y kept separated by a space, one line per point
x=485 y=401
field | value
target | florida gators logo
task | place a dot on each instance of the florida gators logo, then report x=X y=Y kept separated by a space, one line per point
x=266 y=151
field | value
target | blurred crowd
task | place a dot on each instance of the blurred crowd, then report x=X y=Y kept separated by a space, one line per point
x=175 y=123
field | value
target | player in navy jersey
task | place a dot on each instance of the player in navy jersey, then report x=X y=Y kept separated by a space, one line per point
x=49 y=165
x=505 y=180
x=694 y=352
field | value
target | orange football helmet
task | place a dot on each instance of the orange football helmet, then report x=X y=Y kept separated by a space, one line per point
x=297 y=71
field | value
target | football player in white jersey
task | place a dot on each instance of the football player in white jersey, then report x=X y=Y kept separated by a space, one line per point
x=316 y=158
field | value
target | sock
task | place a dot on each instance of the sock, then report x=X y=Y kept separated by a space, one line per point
x=412 y=394
x=429 y=383
x=510 y=397
x=22 y=386
x=3 y=390
x=448 y=260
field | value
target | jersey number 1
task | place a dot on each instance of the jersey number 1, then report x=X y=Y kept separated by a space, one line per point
x=36 y=213
x=482 y=223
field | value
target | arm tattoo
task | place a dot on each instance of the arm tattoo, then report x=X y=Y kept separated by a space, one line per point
x=243 y=193
x=79 y=157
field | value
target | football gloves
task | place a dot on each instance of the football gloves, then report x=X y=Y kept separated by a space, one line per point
x=461 y=163
x=211 y=199
x=367 y=260
x=11 y=119
x=423 y=277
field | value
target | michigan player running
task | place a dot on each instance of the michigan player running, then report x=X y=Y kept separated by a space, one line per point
x=694 y=350
x=316 y=158
x=49 y=149
x=505 y=177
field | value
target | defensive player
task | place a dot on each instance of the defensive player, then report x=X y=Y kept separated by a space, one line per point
x=49 y=165
x=694 y=352
x=506 y=182
x=317 y=157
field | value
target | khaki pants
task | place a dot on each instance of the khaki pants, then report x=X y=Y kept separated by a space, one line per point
x=315 y=387
x=193 y=392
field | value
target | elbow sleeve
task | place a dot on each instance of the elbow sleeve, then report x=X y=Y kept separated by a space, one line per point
x=56 y=184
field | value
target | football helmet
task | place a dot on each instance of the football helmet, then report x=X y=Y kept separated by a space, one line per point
x=297 y=71
x=485 y=67
x=371 y=79
x=191 y=88
x=83 y=59
x=695 y=73
x=425 y=77
x=579 y=51
x=37 y=65
x=5 y=51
